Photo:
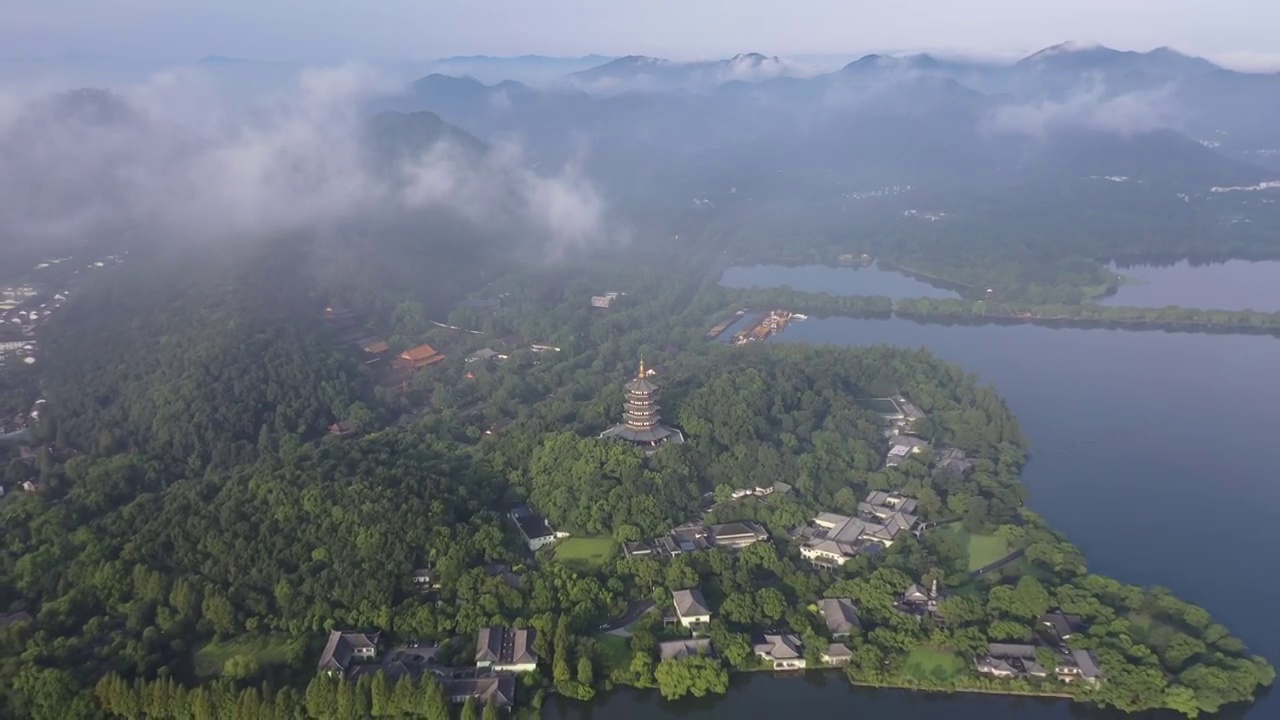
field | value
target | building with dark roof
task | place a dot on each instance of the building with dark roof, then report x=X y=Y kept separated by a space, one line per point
x=498 y=689
x=736 y=534
x=691 y=608
x=509 y=649
x=534 y=528
x=1062 y=625
x=784 y=651
x=837 y=654
x=641 y=420
x=345 y=647
x=840 y=615
x=676 y=649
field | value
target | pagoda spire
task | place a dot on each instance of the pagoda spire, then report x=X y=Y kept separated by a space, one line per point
x=640 y=374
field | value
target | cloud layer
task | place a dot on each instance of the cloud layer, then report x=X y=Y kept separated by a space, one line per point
x=172 y=157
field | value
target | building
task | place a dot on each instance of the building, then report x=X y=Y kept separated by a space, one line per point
x=641 y=421
x=761 y=490
x=498 y=689
x=417 y=358
x=342 y=429
x=425 y=578
x=374 y=346
x=1062 y=625
x=506 y=649
x=1005 y=660
x=484 y=355
x=534 y=529
x=605 y=300
x=840 y=615
x=691 y=608
x=677 y=649
x=346 y=647
x=1078 y=665
x=837 y=654
x=952 y=460
x=834 y=539
x=902 y=447
x=919 y=599
x=736 y=534
x=784 y=651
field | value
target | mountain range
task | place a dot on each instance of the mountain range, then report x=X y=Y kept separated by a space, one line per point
x=915 y=118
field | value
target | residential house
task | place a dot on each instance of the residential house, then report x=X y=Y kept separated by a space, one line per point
x=605 y=300
x=1078 y=664
x=840 y=615
x=506 y=649
x=837 y=654
x=691 y=608
x=534 y=528
x=498 y=689
x=784 y=651
x=676 y=649
x=346 y=647
x=736 y=534
x=903 y=446
x=1062 y=625
x=1004 y=660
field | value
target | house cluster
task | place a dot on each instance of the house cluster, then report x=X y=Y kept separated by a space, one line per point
x=1020 y=660
x=697 y=536
x=785 y=651
x=535 y=530
x=833 y=540
x=500 y=653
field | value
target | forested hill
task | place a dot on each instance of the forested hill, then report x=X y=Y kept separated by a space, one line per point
x=190 y=362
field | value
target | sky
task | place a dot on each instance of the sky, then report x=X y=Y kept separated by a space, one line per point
x=1240 y=32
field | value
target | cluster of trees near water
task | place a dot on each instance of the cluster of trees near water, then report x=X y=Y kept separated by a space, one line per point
x=985 y=311
x=1036 y=245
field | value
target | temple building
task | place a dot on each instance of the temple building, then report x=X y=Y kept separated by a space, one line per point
x=641 y=421
x=417 y=358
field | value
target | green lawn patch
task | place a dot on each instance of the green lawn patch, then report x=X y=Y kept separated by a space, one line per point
x=930 y=663
x=586 y=552
x=614 y=651
x=983 y=549
x=269 y=650
x=986 y=549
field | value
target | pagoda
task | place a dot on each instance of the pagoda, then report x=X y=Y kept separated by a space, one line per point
x=641 y=421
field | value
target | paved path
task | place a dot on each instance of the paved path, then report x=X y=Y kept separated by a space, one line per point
x=1006 y=560
x=635 y=610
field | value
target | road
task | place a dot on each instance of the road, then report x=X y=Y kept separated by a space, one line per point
x=635 y=610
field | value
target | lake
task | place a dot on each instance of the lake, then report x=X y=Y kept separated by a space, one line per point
x=1233 y=285
x=871 y=280
x=1155 y=452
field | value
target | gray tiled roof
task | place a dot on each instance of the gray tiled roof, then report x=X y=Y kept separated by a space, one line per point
x=690 y=603
x=341 y=646
x=783 y=646
x=840 y=614
x=675 y=649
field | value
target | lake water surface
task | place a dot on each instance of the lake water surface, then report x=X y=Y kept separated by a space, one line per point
x=871 y=280
x=1155 y=452
x=1233 y=285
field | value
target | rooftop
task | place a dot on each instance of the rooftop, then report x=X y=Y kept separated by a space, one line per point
x=505 y=646
x=783 y=646
x=840 y=614
x=676 y=649
x=342 y=644
x=690 y=603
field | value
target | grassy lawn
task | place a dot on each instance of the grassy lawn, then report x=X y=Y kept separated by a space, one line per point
x=586 y=552
x=615 y=652
x=270 y=650
x=983 y=549
x=928 y=663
